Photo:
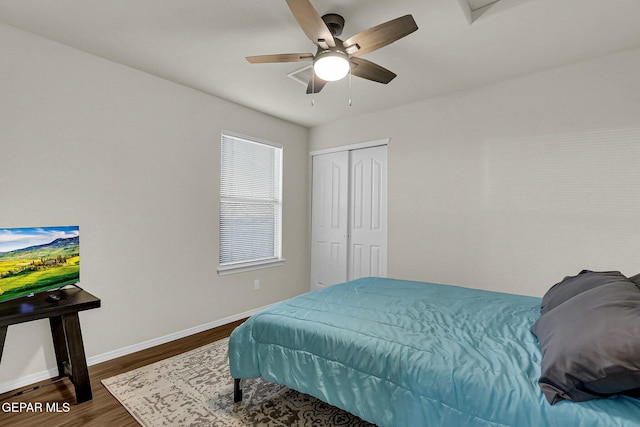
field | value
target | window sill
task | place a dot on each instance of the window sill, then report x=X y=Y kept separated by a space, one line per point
x=224 y=270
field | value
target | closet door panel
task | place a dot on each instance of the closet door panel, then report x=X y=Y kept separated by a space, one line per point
x=368 y=213
x=329 y=224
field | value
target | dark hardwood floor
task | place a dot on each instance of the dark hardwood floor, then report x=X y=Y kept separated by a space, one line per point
x=103 y=410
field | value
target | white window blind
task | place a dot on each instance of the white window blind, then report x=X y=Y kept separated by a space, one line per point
x=250 y=203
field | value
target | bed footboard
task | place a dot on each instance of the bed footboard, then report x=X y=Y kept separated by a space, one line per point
x=237 y=391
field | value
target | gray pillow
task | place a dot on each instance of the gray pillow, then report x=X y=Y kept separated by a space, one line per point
x=635 y=279
x=571 y=286
x=590 y=344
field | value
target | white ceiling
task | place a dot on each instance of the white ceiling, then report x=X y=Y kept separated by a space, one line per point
x=202 y=44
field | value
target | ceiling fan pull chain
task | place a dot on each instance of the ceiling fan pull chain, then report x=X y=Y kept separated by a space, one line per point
x=350 y=103
x=313 y=87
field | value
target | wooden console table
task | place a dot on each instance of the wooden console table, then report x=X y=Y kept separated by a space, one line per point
x=65 y=330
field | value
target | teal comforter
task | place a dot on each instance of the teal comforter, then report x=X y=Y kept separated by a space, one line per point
x=401 y=353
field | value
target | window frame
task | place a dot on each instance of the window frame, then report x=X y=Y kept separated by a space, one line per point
x=254 y=264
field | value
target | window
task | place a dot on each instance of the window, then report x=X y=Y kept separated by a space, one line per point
x=250 y=204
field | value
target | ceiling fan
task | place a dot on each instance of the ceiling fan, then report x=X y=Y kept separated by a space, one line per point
x=334 y=58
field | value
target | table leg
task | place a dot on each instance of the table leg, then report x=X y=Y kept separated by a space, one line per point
x=67 y=341
x=3 y=336
x=60 y=345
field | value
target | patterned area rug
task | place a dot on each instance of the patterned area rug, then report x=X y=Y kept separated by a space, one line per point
x=196 y=389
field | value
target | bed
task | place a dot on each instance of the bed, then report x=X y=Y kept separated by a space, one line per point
x=403 y=353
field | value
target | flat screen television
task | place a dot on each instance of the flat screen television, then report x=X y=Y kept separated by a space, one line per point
x=37 y=259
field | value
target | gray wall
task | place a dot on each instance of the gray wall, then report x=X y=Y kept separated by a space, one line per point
x=512 y=186
x=134 y=161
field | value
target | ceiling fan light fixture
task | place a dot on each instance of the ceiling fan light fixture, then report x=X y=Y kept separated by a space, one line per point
x=331 y=65
x=336 y=58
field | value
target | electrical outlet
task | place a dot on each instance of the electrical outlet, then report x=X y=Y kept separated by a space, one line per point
x=256 y=284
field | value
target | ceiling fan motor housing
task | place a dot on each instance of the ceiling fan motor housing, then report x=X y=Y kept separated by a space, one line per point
x=334 y=22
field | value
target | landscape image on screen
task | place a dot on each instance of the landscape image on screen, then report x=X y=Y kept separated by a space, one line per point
x=38 y=258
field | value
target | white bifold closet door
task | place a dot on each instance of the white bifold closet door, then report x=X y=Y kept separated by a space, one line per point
x=349 y=216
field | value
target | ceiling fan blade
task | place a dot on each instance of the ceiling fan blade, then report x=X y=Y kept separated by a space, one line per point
x=311 y=22
x=280 y=57
x=315 y=84
x=380 y=35
x=371 y=71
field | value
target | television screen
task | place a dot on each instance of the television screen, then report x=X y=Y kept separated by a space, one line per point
x=37 y=259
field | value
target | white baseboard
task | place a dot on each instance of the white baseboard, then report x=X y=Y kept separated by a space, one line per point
x=28 y=379
x=51 y=373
